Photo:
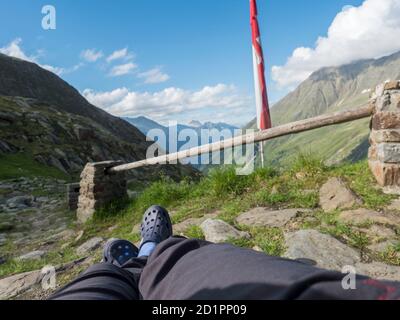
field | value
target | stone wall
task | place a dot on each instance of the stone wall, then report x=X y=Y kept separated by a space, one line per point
x=98 y=188
x=73 y=195
x=384 y=153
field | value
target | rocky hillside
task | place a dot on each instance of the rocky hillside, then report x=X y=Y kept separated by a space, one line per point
x=325 y=91
x=45 y=120
x=336 y=216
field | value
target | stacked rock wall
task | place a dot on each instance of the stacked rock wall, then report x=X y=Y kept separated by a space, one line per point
x=384 y=153
x=99 y=188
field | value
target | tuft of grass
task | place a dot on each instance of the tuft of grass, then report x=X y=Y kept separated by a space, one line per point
x=225 y=181
x=363 y=183
x=391 y=256
x=195 y=232
x=165 y=193
x=270 y=240
x=307 y=163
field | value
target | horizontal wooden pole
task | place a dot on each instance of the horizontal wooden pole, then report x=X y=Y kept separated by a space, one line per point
x=283 y=130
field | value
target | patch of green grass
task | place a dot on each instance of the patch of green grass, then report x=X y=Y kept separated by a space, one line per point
x=195 y=232
x=390 y=256
x=307 y=163
x=270 y=240
x=362 y=182
x=53 y=258
x=21 y=165
x=164 y=193
x=241 y=242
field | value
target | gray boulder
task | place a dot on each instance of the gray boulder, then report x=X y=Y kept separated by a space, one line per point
x=382 y=246
x=334 y=194
x=264 y=217
x=328 y=252
x=34 y=255
x=19 y=202
x=17 y=284
x=378 y=270
x=181 y=227
x=218 y=231
x=89 y=246
x=362 y=215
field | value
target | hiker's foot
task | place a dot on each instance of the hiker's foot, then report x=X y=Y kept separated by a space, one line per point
x=156 y=227
x=118 y=252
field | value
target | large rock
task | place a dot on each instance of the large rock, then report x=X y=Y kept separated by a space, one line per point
x=17 y=284
x=264 y=217
x=334 y=194
x=3 y=240
x=328 y=252
x=382 y=247
x=394 y=205
x=181 y=227
x=378 y=270
x=377 y=233
x=34 y=255
x=218 y=231
x=19 y=202
x=89 y=246
x=362 y=215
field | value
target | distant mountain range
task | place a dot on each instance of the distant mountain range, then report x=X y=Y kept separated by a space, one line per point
x=43 y=118
x=145 y=125
x=325 y=91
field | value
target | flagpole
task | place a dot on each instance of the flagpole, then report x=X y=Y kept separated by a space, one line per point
x=261 y=96
x=262 y=154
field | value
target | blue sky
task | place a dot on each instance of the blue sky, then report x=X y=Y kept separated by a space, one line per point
x=181 y=59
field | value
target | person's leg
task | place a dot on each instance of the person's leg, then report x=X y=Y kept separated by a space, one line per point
x=117 y=277
x=181 y=269
x=104 y=281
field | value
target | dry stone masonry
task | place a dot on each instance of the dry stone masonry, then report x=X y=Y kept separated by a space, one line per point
x=73 y=190
x=98 y=188
x=384 y=153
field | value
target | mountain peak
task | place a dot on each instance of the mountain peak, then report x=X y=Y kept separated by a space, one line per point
x=195 y=123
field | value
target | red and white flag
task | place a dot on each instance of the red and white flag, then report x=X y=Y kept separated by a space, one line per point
x=263 y=115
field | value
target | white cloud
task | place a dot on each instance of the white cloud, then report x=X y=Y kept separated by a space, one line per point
x=61 y=71
x=371 y=30
x=120 y=54
x=122 y=69
x=13 y=49
x=170 y=102
x=154 y=76
x=91 y=55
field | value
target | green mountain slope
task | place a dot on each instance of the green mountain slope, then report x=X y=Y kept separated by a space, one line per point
x=45 y=122
x=325 y=91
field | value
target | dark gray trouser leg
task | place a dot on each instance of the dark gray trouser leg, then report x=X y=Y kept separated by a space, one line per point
x=104 y=281
x=193 y=269
x=182 y=269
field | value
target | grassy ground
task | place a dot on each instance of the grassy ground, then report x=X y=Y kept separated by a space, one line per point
x=20 y=165
x=224 y=192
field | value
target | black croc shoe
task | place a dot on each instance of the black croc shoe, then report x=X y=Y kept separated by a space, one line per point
x=118 y=252
x=156 y=225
